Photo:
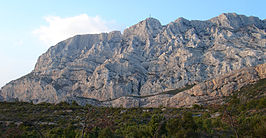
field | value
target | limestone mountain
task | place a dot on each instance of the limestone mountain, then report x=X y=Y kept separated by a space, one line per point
x=146 y=60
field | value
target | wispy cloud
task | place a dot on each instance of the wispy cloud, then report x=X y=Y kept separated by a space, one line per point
x=59 y=28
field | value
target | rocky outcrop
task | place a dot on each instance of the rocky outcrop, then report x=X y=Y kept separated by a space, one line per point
x=210 y=91
x=1 y=98
x=110 y=69
x=261 y=69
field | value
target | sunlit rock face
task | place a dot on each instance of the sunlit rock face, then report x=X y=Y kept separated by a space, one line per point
x=146 y=59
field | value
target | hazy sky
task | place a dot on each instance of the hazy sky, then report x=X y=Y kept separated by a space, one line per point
x=29 y=27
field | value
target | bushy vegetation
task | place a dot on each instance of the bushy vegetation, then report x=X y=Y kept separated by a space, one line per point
x=242 y=115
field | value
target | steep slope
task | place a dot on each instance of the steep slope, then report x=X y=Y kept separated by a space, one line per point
x=147 y=59
x=210 y=91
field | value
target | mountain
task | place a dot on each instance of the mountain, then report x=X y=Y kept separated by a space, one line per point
x=147 y=61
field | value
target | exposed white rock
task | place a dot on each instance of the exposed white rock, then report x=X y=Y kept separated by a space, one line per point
x=210 y=91
x=147 y=59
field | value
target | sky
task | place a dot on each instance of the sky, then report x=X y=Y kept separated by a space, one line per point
x=29 y=27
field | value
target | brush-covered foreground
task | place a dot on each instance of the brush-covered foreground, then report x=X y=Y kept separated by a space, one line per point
x=242 y=115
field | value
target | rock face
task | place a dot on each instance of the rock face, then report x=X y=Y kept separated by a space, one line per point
x=110 y=69
x=212 y=90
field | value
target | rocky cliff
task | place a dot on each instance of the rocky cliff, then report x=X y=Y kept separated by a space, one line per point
x=146 y=60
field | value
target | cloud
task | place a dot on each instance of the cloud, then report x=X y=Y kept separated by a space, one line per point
x=59 y=28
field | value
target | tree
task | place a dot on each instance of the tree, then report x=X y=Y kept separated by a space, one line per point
x=182 y=127
x=173 y=126
x=69 y=131
x=154 y=123
x=231 y=120
x=106 y=133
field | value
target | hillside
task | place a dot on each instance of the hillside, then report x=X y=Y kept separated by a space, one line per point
x=242 y=115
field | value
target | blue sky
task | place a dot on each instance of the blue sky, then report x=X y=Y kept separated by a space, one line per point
x=29 y=27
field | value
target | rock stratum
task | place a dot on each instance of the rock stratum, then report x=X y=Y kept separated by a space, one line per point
x=144 y=65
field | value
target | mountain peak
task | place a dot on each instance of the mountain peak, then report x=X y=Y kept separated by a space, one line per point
x=233 y=20
x=151 y=20
x=145 y=28
x=229 y=14
x=181 y=19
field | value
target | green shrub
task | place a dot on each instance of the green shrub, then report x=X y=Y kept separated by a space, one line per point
x=106 y=133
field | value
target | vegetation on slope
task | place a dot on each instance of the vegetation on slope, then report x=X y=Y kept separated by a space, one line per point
x=242 y=115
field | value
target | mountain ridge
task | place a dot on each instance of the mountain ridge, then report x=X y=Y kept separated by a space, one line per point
x=146 y=59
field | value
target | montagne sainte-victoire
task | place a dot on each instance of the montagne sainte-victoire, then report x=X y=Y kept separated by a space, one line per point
x=149 y=64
